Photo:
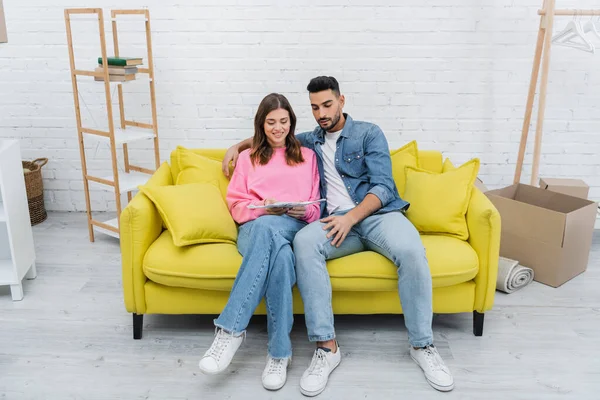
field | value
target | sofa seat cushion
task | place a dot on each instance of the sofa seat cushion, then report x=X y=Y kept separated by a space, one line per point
x=214 y=266
x=451 y=261
x=211 y=266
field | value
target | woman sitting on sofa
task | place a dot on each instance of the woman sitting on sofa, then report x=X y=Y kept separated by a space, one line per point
x=276 y=168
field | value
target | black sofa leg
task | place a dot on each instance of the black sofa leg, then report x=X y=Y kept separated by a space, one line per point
x=138 y=322
x=478 y=323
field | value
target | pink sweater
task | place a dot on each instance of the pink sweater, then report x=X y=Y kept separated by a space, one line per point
x=275 y=180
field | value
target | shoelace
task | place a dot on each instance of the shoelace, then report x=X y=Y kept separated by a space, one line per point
x=275 y=366
x=222 y=340
x=433 y=358
x=318 y=363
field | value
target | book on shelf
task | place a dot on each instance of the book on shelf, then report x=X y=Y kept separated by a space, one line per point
x=116 y=78
x=118 y=70
x=122 y=61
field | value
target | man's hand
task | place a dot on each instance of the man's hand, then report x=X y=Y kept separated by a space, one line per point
x=274 y=211
x=297 y=212
x=339 y=226
x=231 y=155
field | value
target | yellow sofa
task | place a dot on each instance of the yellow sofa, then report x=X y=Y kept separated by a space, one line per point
x=160 y=278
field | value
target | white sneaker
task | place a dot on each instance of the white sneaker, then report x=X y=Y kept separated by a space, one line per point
x=275 y=373
x=314 y=379
x=436 y=372
x=220 y=353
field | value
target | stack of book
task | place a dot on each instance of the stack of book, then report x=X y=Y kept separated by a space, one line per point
x=120 y=69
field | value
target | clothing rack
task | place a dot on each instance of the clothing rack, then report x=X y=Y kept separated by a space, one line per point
x=542 y=56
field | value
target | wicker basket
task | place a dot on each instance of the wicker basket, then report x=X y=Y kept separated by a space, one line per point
x=35 y=189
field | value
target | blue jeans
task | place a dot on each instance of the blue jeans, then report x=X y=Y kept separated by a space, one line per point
x=391 y=235
x=267 y=271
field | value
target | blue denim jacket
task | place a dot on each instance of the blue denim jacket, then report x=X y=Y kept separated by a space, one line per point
x=362 y=158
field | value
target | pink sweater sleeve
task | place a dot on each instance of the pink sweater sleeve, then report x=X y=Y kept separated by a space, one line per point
x=238 y=197
x=313 y=211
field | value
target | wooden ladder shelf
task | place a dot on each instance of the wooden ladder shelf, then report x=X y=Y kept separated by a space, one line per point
x=128 y=131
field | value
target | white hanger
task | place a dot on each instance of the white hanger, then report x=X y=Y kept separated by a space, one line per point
x=573 y=31
x=590 y=26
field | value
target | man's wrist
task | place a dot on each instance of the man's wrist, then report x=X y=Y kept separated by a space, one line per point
x=353 y=219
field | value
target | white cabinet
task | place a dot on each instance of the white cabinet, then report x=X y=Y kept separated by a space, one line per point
x=17 y=253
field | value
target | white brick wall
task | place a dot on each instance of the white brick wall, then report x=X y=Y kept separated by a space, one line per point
x=453 y=75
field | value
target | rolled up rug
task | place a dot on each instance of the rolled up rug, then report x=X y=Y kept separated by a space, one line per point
x=512 y=276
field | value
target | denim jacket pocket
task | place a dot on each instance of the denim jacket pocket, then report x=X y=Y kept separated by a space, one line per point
x=354 y=156
x=354 y=163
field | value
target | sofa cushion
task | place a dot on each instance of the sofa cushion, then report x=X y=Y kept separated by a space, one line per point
x=214 y=266
x=195 y=168
x=407 y=155
x=451 y=261
x=189 y=222
x=211 y=266
x=439 y=202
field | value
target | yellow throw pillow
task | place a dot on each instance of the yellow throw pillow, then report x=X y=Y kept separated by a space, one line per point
x=194 y=213
x=439 y=202
x=448 y=166
x=194 y=168
x=162 y=176
x=407 y=155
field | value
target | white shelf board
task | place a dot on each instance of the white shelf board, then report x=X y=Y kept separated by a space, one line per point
x=128 y=181
x=127 y=135
x=2 y=212
x=112 y=222
x=6 y=272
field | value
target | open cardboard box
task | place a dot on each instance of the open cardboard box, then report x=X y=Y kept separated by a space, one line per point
x=546 y=231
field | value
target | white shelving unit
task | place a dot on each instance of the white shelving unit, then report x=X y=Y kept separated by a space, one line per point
x=17 y=252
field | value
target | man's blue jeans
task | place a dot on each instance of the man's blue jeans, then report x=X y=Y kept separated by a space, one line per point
x=389 y=234
x=267 y=271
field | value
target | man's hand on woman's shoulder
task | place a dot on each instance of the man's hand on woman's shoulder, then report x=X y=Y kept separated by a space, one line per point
x=231 y=156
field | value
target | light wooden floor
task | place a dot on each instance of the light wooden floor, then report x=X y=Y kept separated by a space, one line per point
x=70 y=338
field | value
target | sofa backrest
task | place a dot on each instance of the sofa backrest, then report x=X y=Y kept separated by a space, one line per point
x=430 y=160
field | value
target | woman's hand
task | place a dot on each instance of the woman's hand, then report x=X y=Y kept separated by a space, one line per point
x=274 y=211
x=297 y=212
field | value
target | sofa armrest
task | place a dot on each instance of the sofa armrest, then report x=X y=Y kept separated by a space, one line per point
x=141 y=224
x=483 y=221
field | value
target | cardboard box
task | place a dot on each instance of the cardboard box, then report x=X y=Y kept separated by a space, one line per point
x=572 y=187
x=546 y=231
x=3 y=36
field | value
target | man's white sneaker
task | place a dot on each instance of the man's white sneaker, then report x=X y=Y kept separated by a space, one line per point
x=275 y=373
x=314 y=379
x=436 y=372
x=220 y=353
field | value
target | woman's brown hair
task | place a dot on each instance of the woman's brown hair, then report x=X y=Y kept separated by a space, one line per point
x=261 y=149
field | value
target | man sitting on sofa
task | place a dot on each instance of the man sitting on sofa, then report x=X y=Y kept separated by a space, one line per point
x=363 y=212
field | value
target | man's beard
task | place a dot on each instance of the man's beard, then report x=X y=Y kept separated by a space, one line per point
x=334 y=122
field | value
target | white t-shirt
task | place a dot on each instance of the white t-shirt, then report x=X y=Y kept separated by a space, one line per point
x=338 y=198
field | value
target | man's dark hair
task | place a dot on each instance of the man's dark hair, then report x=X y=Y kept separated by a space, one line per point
x=321 y=83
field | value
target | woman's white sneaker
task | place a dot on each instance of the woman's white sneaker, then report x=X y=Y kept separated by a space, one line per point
x=436 y=372
x=275 y=373
x=314 y=379
x=221 y=352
